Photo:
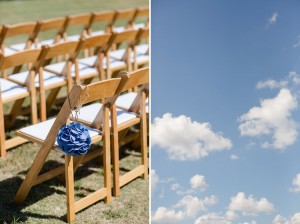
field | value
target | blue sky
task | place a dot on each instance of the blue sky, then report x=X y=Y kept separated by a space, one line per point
x=225 y=111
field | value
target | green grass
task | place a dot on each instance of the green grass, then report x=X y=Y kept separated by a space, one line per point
x=46 y=202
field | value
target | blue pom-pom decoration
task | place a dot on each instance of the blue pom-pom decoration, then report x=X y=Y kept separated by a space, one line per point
x=74 y=139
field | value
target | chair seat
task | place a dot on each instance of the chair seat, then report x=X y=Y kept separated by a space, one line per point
x=138 y=26
x=19 y=47
x=119 y=29
x=124 y=101
x=73 y=37
x=40 y=131
x=45 y=42
x=89 y=113
x=90 y=61
x=49 y=78
x=12 y=90
x=95 y=33
x=117 y=54
x=8 y=51
x=142 y=49
x=141 y=59
x=84 y=70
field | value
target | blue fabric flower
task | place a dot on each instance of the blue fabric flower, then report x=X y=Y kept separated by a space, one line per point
x=74 y=139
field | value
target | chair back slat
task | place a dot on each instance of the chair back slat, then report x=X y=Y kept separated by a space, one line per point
x=101 y=90
x=61 y=49
x=97 y=41
x=51 y=24
x=80 y=19
x=21 y=28
x=20 y=58
x=137 y=78
x=125 y=36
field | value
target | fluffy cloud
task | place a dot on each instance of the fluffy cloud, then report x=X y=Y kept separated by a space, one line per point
x=154 y=180
x=295 y=219
x=253 y=222
x=296 y=184
x=212 y=218
x=234 y=157
x=198 y=183
x=273 y=117
x=188 y=207
x=184 y=139
x=165 y=215
x=271 y=84
x=249 y=205
x=297 y=44
x=273 y=19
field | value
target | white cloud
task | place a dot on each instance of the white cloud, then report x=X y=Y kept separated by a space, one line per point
x=234 y=157
x=154 y=180
x=210 y=218
x=198 y=183
x=273 y=19
x=297 y=44
x=188 y=207
x=273 y=117
x=295 y=219
x=294 y=77
x=296 y=184
x=184 y=139
x=249 y=206
x=165 y=215
x=252 y=222
x=271 y=84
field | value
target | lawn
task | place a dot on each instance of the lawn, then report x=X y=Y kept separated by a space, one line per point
x=46 y=202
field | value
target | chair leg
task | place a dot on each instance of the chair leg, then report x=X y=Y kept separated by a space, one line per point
x=2 y=132
x=69 y=176
x=43 y=107
x=115 y=154
x=143 y=135
x=106 y=156
x=33 y=105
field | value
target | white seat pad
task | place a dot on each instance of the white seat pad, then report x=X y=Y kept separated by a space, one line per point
x=90 y=61
x=73 y=38
x=125 y=101
x=138 y=26
x=119 y=29
x=41 y=130
x=88 y=114
x=117 y=54
x=11 y=89
x=142 y=49
x=141 y=59
x=8 y=51
x=49 y=78
x=95 y=33
x=19 y=47
x=84 y=70
x=46 y=42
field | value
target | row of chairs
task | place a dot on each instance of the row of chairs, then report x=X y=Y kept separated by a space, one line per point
x=105 y=122
x=46 y=76
x=88 y=24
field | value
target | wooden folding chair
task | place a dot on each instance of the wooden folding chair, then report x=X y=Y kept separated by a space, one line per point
x=45 y=133
x=140 y=18
x=50 y=28
x=114 y=61
x=75 y=23
x=93 y=66
x=122 y=19
x=29 y=30
x=17 y=92
x=121 y=121
x=65 y=70
x=140 y=55
x=139 y=107
x=101 y=22
x=120 y=58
